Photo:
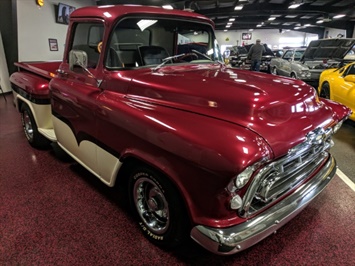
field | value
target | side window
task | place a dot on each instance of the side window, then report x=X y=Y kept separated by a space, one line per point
x=298 y=55
x=288 y=54
x=87 y=37
x=351 y=70
x=125 y=42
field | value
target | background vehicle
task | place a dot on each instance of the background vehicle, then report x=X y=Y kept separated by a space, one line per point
x=327 y=53
x=289 y=64
x=265 y=59
x=142 y=99
x=339 y=85
x=318 y=56
x=238 y=56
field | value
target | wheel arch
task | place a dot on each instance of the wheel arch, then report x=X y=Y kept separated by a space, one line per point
x=162 y=166
x=320 y=88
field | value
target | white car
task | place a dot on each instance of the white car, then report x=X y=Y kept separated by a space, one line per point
x=289 y=64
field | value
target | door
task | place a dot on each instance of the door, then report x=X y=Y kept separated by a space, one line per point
x=74 y=97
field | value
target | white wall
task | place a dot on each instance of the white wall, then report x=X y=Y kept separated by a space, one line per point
x=37 y=25
x=4 y=72
x=273 y=38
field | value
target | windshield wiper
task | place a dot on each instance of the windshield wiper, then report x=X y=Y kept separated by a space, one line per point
x=165 y=60
x=207 y=57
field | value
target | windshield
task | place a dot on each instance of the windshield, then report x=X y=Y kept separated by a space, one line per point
x=137 y=42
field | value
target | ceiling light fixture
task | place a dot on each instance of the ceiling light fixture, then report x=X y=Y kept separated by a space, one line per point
x=319 y=21
x=295 y=4
x=339 y=16
x=240 y=7
x=271 y=18
x=232 y=19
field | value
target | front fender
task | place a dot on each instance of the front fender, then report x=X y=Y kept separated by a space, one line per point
x=201 y=155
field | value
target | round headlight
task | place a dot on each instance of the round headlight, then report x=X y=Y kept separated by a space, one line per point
x=244 y=177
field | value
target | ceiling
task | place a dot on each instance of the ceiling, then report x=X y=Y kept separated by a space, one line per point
x=256 y=13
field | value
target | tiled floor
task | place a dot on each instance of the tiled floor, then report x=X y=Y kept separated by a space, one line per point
x=53 y=212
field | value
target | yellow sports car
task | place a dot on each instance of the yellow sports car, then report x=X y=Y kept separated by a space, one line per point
x=339 y=85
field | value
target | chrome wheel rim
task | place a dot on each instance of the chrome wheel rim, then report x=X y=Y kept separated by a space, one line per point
x=27 y=125
x=151 y=205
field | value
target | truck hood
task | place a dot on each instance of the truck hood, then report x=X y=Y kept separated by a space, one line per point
x=280 y=110
x=328 y=49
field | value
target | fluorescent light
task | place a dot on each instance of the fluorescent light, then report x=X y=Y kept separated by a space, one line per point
x=167 y=7
x=228 y=26
x=250 y=29
x=232 y=19
x=271 y=18
x=259 y=25
x=319 y=21
x=225 y=30
x=229 y=23
x=339 y=16
x=240 y=7
x=294 y=5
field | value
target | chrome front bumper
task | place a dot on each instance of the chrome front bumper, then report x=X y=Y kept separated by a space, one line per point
x=225 y=241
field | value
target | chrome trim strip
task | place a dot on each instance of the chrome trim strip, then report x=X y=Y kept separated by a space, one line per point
x=225 y=241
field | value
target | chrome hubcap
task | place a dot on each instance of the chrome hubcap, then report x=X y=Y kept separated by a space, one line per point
x=27 y=125
x=151 y=205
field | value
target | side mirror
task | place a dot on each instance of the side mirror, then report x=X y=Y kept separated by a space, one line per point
x=78 y=58
x=350 y=78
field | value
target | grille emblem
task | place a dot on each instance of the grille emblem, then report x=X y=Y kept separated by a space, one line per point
x=317 y=136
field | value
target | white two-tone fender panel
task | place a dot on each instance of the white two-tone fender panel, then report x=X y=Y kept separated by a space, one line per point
x=99 y=162
x=41 y=114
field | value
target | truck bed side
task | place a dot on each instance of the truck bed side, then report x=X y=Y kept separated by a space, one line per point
x=30 y=87
x=44 y=69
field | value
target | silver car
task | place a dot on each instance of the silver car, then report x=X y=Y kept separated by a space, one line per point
x=289 y=64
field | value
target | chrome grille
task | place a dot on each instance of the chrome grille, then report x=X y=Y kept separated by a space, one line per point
x=279 y=177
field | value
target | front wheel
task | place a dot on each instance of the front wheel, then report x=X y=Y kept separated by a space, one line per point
x=158 y=207
x=30 y=129
x=274 y=71
x=325 y=91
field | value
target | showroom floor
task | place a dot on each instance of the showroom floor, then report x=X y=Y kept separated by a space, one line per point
x=53 y=212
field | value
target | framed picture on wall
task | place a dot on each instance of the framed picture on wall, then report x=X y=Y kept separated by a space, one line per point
x=53 y=44
x=246 y=36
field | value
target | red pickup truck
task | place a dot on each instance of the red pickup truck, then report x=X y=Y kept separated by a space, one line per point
x=226 y=156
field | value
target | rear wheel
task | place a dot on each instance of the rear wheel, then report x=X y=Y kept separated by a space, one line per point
x=30 y=129
x=325 y=91
x=159 y=209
